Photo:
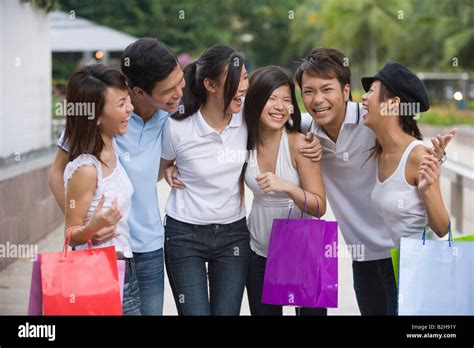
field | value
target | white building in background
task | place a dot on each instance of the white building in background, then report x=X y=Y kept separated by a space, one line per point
x=28 y=39
x=25 y=78
x=28 y=211
x=72 y=34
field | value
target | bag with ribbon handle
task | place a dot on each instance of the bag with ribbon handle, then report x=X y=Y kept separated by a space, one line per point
x=302 y=265
x=436 y=276
x=81 y=282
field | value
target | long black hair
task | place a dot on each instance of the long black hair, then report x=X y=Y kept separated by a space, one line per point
x=211 y=64
x=261 y=86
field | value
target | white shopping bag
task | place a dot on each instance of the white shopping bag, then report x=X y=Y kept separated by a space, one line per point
x=436 y=277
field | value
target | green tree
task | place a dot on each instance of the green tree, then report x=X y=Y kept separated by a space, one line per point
x=365 y=30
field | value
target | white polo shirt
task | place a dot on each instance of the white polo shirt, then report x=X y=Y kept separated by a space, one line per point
x=209 y=165
x=349 y=184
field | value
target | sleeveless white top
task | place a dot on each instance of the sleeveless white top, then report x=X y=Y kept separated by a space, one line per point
x=117 y=185
x=399 y=203
x=272 y=205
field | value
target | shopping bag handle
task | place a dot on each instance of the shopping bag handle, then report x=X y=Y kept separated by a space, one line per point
x=450 y=235
x=67 y=243
x=305 y=207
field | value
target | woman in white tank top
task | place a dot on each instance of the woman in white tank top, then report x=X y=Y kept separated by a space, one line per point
x=407 y=187
x=275 y=172
x=98 y=190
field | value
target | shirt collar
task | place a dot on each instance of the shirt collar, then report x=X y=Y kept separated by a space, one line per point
x=203 y=127
x=153 y=121
x=351 y=117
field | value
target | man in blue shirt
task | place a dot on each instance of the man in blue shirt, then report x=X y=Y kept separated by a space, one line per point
x=156 y=82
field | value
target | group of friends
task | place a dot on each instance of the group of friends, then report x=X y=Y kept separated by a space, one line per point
x=210 y=131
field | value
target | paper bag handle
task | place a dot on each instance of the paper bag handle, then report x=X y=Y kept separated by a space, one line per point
x=450 y=236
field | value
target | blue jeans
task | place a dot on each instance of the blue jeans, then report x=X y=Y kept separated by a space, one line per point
x=375 y=288
x=131 y=298
x=226 y=249
x=255 y=289
x=150 y=275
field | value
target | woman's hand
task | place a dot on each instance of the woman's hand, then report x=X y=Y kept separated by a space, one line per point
x=441 y=142
x=269 y=182
x=428 y=172
x=104 y=235
x=171 y=177
x=101 y=219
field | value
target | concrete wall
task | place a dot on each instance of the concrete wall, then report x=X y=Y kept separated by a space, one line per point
x=25 y=78
x=28 y=211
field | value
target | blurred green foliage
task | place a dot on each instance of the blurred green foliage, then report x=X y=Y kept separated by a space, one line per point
x=422 y=34
x=425 y=35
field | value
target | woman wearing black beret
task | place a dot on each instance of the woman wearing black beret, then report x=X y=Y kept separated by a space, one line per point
x=407 y=191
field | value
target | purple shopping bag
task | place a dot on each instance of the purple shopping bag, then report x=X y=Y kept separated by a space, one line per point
x=301 y=268
x=35 y=306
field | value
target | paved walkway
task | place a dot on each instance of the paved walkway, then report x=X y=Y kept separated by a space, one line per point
x=15 y=279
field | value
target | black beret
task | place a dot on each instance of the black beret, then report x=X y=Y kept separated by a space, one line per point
x=402 y=82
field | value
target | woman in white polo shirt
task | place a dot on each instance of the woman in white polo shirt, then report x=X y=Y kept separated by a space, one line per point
x=277 y=174
x=205 y=221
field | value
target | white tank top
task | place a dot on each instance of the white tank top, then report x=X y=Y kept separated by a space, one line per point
x=272 y=205
x=399 y=203
x=117 y=185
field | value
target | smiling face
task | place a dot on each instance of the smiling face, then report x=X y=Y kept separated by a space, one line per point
x=167 y=93
x=378 y=102
x=324 y=99
x=116 y=112
x=277 y=109
x=237 y=101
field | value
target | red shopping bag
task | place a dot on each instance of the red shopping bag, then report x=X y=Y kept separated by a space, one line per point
x=35 y=304
x=82 y=282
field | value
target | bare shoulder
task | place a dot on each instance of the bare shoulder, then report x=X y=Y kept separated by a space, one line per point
x=416 y=155
x=413 y=163
x=300 y=162
x=83 y=179
x=296 y=140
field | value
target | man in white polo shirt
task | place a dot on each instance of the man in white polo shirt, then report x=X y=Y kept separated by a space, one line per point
x=349 y=175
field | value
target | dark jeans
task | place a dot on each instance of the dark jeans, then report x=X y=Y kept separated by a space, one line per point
x=255 y=289
x=150 y=275
x=226 y=249
x=375 y=288
x=131 y=298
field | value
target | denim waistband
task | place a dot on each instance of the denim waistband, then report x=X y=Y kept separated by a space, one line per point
x=220 y=227
x=121 y=257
